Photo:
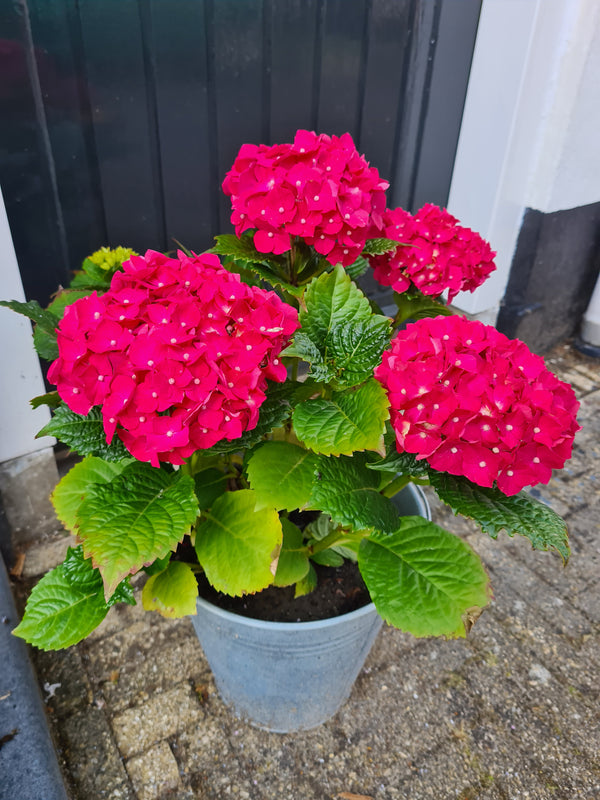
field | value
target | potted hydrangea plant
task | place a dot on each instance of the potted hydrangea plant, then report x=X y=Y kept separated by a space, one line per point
x=246 y=418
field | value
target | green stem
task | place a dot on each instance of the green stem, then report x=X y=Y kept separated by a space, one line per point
x=396 y=485
x=291 y=264
x=194 y=567
x=400 y=482
x=327 y=542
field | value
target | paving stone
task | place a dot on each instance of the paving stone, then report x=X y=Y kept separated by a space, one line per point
x=133 y=683
x=203 y=748
x=163 y=715
x=93 y=759
x=46 y=554
x=131 y=646
x=119 y=617
x=564 y=718
x=69 y=689
x=154 y=772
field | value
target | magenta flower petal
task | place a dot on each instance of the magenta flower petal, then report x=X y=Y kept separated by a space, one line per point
x=473 y=402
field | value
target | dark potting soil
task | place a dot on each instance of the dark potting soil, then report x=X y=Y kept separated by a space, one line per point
x=339 y=591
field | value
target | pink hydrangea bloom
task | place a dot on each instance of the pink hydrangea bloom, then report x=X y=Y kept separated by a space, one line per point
x=177 y=354
x=473 y=402
x=318 y=188
x=442 y=254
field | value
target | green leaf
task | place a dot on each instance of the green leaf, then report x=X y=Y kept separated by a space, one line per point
x=84 y=434
x=96 y=273
x=68 y=603
x=228 y=244
x=273 y=412
x=242 y=269
x=360 y=266
x=328 y=558
x=423 y=579
x=357 y=349
x=293 y=564
x=352 y=420
x=304 y=347
x=238 y=546
x=71 y=490
x=81 y=573
x=402 y=463
x=65 y=298
x=307 y=584
x=413 y=304
x=137 y=517
x=157 y=566
x=262 y=264
x=60 y=613
x=79 y=570
x=51 y=399
x=122 y=594
x=46 y=320
x=348 y=491
x=172 y=592
x=44 y=340
x=377 y=247
x=44 y=334
x=321 y=527
x=89 y=283
x=348 y=552
x=209 y=484
x=271 y=277
x=494 y=511
x=340 y=337
x=281 y=475
x=45 y=344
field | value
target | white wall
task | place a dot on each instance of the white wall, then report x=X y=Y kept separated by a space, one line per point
x=21 y=376
x=529 y=136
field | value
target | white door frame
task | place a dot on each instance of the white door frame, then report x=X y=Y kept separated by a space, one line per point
x=520 y=144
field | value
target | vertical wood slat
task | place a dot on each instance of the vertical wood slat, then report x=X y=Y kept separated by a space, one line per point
x=182 y=117
x=238 y=65
x=294 y=26
x=340 y=65
x=25 y=173
x=447 y=91
x=112 y=40
x=385 y=78
x=410 y=108
x=55 y=32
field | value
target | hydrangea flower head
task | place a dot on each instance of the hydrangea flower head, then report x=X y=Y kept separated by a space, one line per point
x=473 y=402
x=442 y=254
x=318 y=188
x=177 y=353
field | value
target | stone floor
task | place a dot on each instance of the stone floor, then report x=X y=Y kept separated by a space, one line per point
x=510 y=713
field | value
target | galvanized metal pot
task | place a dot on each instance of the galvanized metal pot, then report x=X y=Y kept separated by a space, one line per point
x=289 y=676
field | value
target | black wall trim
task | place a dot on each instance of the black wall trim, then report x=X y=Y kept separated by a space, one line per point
x=553 y=274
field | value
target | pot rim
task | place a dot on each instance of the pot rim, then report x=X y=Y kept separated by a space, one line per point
x=363 y=611
x=251 y=622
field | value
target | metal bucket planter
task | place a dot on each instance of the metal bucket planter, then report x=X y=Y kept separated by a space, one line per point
x=288 y=676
